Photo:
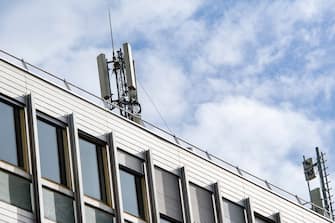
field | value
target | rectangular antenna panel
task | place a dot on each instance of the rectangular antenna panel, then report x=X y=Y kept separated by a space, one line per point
x=317 y=200
x=105 y=87
x=130 y=72
x=309 y=169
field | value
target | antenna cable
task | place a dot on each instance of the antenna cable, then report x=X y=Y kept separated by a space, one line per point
x=156 y=108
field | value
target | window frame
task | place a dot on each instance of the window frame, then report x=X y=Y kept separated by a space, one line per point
x=65 y=187
x=20 y=128
x=62 y=147
x=22 y=169
x=103 y=173
x=140 y=190
x=141 y=172
x=180 y=192
x=237 y=204
x=190 y=183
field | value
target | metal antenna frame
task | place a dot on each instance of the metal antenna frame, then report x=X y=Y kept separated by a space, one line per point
x=324 y=184
x=326 y=193
x=123 y=97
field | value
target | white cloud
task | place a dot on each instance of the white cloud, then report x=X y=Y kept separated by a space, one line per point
x=259 y=138
x=302 y=91
x=80 y=67
x=254 y=36
x=34 y=32
x=166 y=83
x=148 y=17
x=315 y=59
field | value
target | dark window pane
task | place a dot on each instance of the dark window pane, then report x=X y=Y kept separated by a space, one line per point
x=15 y=190
x=8 y=145
x=49 y=152
x=58 y=207
x=233 y=213
x=202 y=205
x=90 y=169
x=94 y=215
x=131 y=193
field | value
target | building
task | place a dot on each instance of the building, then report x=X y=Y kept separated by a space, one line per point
x=65 y=158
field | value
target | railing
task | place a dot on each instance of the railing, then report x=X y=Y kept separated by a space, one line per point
x=163 y=133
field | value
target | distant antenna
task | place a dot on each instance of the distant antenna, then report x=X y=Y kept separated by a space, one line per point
x=321 y=199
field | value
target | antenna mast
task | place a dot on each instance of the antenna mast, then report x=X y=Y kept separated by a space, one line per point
x=122 y=68
x=321 y=199
x=111 y=30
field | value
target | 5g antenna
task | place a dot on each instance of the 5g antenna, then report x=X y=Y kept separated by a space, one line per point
x=121 y=67
x=111 y=29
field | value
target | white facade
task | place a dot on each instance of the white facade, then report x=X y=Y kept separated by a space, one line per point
x=189 y=168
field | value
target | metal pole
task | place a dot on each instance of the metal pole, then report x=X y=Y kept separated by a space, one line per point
x=115 y=178
x=35 y=160
x=78 y=182
x=322 y=180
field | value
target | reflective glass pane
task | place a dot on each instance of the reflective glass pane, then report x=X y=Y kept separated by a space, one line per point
x=58 y=207
x=90 y=169
x=130 y=196
x=94 y=215
x=49 y=155
x=233 y=213
x=202 y=205
x=8 y=145
x=15 y=190
x=168 y=194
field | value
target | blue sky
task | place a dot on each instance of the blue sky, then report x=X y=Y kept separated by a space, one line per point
x=250 y=81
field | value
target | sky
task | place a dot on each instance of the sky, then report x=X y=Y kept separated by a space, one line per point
x=249 y=81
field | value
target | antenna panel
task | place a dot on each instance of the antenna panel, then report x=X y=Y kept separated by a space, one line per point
x=130 y=72
x=309 y=169
x=105 y=87
x=317 y=200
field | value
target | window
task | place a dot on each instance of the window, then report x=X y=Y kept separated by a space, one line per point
x=10 y=137
x=92 y=166
x=15 y=186
x=202 y=205
x=168 y=195
x=131 y=193
x=233 y=213
x=132 y=184
x=51 y=147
